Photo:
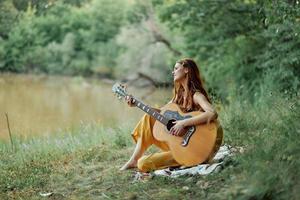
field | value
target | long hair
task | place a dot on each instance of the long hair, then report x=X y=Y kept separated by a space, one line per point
x=195 y=84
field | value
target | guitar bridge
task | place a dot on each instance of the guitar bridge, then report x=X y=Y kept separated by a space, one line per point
x=187 y=136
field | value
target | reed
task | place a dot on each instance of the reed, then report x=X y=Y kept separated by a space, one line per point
x=9 y=132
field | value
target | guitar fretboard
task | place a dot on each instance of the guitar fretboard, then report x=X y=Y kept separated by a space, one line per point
x=152 y=112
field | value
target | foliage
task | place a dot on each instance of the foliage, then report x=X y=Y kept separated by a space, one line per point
x=8 y=15
x=239 y=42
x=67 y=40
x=267 y=131
x=42 y=5
x=249 y=46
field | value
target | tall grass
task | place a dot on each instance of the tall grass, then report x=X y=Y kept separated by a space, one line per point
x=269 y=130
x=35 y=159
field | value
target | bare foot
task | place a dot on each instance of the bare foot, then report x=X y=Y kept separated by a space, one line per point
x=130 y=164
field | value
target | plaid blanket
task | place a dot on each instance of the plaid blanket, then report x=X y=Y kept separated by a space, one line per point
x=203 y=169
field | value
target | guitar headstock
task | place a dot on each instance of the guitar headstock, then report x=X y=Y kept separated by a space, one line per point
x=119 y=90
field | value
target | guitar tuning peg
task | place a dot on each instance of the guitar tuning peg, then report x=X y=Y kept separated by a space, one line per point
x=124 y=86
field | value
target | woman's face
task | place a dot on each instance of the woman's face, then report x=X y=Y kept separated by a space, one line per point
x=179 y=72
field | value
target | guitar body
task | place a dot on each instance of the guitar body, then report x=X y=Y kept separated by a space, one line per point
x=202 y=145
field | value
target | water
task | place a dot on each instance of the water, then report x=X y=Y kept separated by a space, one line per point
x=42 y=105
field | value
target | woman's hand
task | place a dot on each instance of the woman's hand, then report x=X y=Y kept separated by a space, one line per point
x=178 y=129
x=130 y=101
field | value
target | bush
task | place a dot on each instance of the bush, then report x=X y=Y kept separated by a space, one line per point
x=70 y=38
x=240 y=42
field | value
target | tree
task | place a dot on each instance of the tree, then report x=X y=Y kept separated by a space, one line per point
x=239 y=42
x=8 y=17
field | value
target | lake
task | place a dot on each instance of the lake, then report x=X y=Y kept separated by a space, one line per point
x=43 y=105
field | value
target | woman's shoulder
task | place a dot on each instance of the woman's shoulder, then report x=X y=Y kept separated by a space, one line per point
x=198 y=95
x=200 y=99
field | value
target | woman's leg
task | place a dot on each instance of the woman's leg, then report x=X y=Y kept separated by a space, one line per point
x=156 y=161
x=143 y=137
x=138 y=152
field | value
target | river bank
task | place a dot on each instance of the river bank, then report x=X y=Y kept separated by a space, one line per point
x=84 y=163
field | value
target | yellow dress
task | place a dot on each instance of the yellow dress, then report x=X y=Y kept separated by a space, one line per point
x=154 y=161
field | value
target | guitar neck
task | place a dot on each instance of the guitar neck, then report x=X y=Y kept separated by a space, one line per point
x=150 y=111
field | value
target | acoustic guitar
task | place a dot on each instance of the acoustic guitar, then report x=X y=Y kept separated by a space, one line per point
x=198 y=144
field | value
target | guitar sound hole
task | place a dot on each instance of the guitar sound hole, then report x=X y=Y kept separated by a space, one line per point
x=170 y=124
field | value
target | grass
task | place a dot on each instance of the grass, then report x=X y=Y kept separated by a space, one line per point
x=84 y=163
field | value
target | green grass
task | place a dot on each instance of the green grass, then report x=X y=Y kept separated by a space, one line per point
x=84 y=163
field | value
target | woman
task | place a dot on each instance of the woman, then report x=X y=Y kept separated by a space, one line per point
x=190 y=95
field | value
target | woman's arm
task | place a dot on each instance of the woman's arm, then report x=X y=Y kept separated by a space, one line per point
x=208 y=115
